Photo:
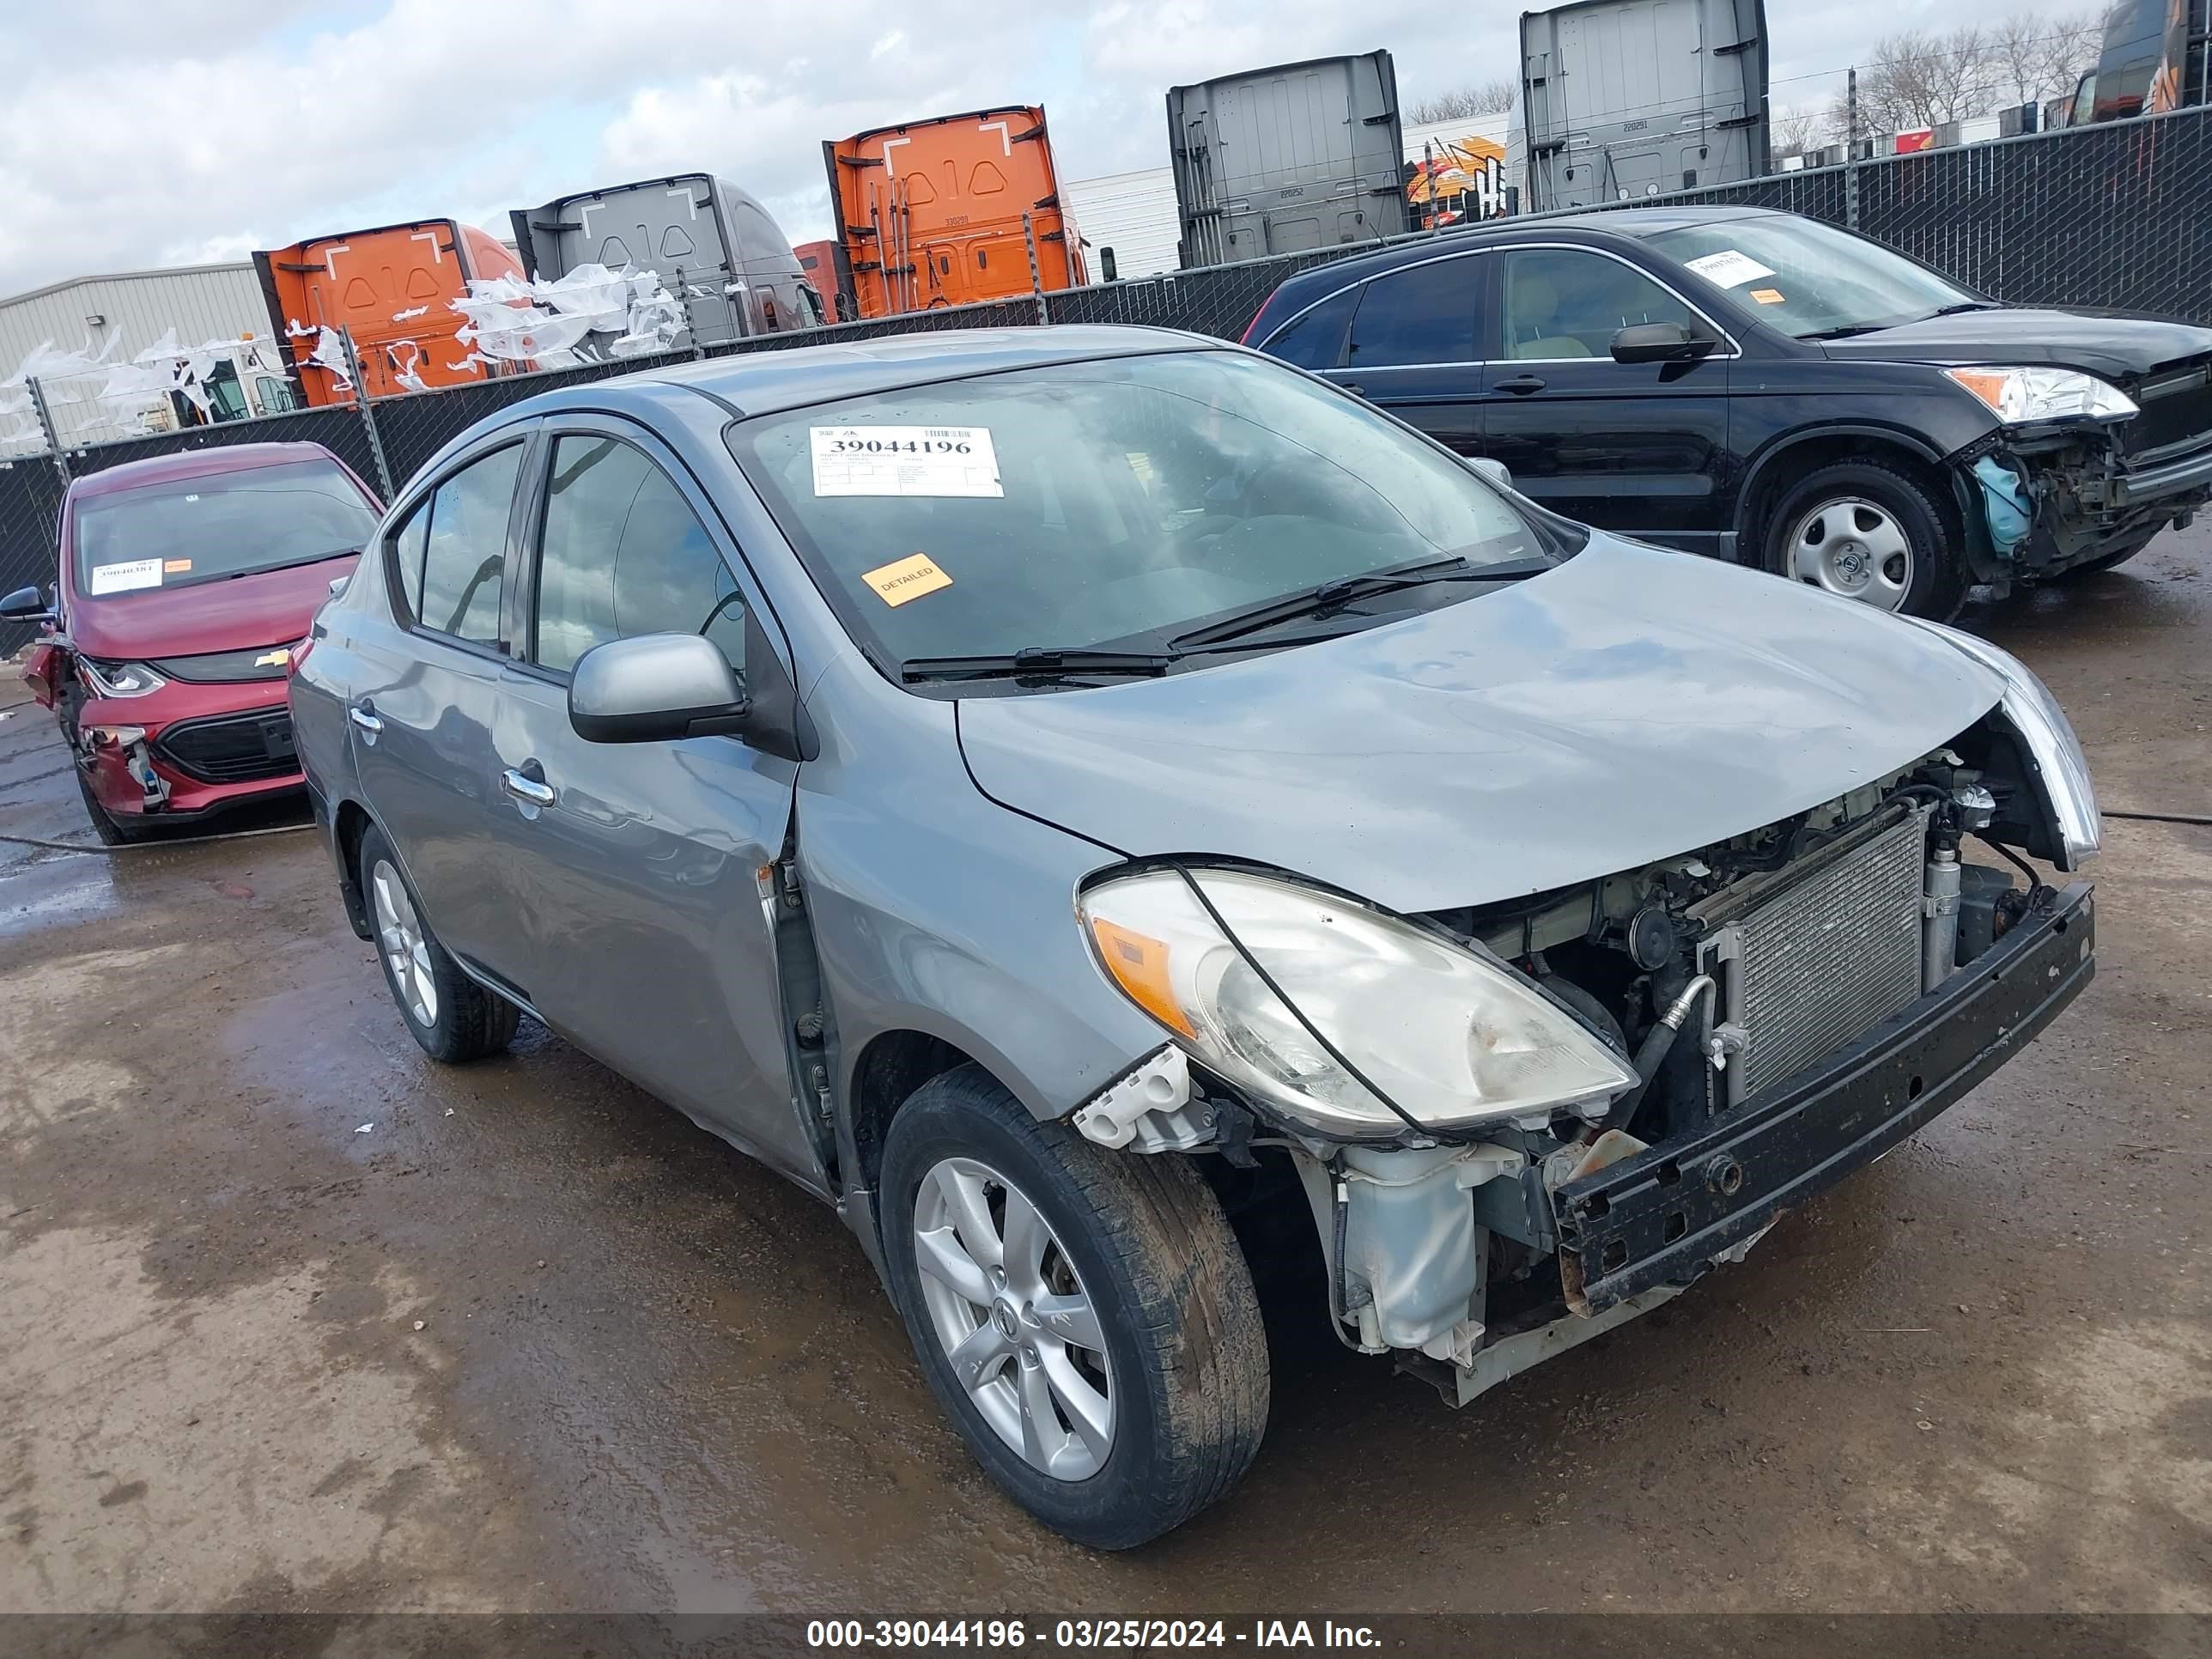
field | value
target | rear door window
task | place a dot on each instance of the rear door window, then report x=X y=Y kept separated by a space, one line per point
x=457 y=543
x=1429 y=314
x=1316 y=339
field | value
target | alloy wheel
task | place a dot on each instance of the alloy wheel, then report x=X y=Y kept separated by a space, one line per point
x=406 y=949
x=1854 y=547
x=1013 y=1318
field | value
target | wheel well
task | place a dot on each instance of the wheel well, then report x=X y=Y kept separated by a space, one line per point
x=890 y=1068
x=347 y=828
x=1774 y=480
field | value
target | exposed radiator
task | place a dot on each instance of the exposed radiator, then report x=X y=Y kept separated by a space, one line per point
x=1831 y=953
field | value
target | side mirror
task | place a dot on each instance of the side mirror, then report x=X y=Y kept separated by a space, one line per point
x=25 y=604
x=1491 y=471
x=1659 y=343
x=654 y=689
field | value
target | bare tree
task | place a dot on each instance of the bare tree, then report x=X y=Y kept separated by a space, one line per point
x=1478 y=98
x=1920 y=78
x=2035 y=58
x=1794 y=131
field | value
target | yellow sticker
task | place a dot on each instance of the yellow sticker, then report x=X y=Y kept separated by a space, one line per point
x=175 y=567
x=1767 y=296
x=907 y=579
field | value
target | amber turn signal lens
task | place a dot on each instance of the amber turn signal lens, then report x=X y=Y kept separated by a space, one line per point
x=1140 y=966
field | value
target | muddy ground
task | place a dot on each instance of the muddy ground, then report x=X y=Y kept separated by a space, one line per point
x=648 y=1375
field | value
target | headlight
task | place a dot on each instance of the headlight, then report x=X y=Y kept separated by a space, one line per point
x=120 y=680
x=2051 y=746
x=2045 y=394
x=1452 y=1038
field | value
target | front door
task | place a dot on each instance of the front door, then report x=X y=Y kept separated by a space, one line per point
x=643 y=875
x=1642 y=448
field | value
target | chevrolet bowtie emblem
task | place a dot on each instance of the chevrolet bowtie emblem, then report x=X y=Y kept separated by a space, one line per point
x=272 y=659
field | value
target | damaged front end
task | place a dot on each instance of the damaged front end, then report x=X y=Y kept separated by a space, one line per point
x=2083 y=472
x=1681 y=1051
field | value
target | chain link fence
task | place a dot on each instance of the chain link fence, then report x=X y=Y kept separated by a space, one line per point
x=2118 y=215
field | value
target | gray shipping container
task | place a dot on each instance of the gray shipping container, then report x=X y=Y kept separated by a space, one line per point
x=694 y=232
x=1623 y=99
x=1302 y=155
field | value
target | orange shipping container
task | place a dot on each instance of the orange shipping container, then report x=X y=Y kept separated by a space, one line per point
x=929 y=213
x=392 y=287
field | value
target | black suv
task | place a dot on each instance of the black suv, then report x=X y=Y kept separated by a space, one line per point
x=1768 y=388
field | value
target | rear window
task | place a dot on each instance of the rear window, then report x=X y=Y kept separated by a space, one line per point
x=223 y=524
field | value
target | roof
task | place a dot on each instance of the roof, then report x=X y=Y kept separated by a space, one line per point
x=1634 y=223
x=758 y=381
x=193 y=464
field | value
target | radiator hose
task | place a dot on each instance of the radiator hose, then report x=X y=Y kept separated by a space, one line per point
x=1651 y=1053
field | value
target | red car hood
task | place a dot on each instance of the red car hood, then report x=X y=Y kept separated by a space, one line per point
x=272 y=607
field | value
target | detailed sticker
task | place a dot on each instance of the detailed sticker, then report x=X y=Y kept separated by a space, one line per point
x=1767 y=296
x=122 y=578
x=906 y=578
x=1729 y=268
x=905 y=460
x=175 y=567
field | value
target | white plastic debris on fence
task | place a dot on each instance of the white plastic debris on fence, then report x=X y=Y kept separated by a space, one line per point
x=546 y=322
x=329 y=352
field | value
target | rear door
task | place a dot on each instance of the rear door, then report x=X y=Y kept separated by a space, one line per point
x=1415 y=346
x=1638 y=447
x=425 y=697
x=643 y=873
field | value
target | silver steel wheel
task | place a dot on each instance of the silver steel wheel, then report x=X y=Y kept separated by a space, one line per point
x=1854 y=547
x=1013 y=1318
x=406 y=950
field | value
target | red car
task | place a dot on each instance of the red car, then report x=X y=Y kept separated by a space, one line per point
x=185 y=582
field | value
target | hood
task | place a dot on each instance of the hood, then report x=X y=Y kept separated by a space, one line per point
x=1630 y=705
x=2114 y=345
x=270 y=607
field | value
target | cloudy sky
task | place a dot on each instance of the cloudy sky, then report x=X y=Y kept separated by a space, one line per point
x=147 y=132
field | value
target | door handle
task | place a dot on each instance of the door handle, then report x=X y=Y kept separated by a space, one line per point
x=527 y=788
x=361 y=715
x=1354 y=387
x=1521 y=384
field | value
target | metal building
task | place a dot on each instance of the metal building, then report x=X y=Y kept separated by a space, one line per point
x=200 y=302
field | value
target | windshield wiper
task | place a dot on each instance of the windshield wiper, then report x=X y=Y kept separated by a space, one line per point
x=293 y=564
x=1037 y=662
x=1844 y=330
x=1963 y=305
x=1330 y=596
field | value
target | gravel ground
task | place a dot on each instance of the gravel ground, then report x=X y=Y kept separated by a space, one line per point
x=533 y=1342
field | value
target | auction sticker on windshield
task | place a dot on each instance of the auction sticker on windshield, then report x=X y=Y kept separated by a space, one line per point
x=905 y=460
x=1729 y=268
x=122 y=578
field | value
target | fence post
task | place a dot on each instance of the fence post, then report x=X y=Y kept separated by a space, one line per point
x=367 y=416
x=47 y=425
x=1851 y=149
x=690 y=318
x=1037 y=282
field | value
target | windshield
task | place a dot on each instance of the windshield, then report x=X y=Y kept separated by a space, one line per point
x=1809 y=279
x=1123 y=501
x=225 y=524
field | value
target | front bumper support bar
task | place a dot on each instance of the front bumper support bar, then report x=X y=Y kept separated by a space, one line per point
x=1667 y=1215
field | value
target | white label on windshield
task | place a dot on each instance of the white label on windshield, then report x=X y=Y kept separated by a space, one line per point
x=905 y=460
x=1730 y=269
x=122 y=578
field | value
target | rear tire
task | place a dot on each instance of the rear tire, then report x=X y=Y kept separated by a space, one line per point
x=1131 y=1305
x=453 y=1019
x=1866 y=531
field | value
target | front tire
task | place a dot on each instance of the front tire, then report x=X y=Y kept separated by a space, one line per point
x=1866 y=531
x=1084 y=1316
x=112 y=830
x=453 y=1018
